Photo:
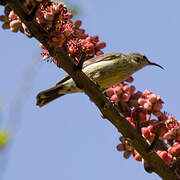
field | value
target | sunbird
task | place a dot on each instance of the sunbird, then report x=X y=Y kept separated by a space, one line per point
x=106 y=70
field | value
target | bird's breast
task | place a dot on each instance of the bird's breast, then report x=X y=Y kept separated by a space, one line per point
x=107 y=73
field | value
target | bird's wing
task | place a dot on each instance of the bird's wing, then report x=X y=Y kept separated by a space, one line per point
x=103 y=57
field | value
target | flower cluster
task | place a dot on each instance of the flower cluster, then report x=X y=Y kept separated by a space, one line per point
x=13 y=22
x=120 y=92
x=141 y=107
x=63 y=32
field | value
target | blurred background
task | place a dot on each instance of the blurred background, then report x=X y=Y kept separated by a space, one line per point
x=68 y=139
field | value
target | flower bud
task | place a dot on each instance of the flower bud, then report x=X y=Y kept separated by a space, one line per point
x=127 y=154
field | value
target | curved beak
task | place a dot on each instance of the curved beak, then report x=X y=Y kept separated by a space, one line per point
x=154 y=64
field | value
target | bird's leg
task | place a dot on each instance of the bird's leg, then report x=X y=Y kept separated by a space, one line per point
x=138 y=126
x=137 y=123
x=81 y=61
x=154 y=143
x=124 y=108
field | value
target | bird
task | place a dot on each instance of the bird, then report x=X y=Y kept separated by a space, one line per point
x=106 y=70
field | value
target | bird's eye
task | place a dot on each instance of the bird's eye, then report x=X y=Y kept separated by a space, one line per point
x=138 y=59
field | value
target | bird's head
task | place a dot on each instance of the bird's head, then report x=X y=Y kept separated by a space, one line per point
x=140 y=60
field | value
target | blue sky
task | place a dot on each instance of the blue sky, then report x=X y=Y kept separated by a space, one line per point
x=68 y=139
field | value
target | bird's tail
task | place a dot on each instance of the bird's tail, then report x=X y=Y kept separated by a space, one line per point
x=45 y=97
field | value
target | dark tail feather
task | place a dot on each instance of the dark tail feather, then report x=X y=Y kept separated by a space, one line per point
x=48 y=95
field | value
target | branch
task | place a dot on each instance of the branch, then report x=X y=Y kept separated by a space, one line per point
x=105 y=106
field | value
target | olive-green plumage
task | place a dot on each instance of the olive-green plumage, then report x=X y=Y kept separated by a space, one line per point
x=106 y=70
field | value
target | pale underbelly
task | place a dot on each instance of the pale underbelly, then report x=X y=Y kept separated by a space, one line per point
x=106 y=80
